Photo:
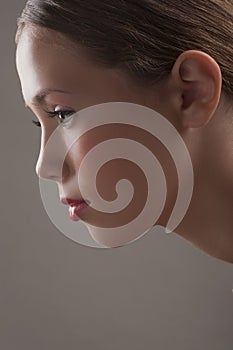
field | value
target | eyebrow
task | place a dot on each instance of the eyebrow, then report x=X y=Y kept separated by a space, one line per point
x=40 y=96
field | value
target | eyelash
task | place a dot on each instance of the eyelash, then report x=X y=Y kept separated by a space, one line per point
x=53 y=115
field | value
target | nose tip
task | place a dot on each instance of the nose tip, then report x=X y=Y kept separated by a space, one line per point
x=47 y=175
x=50 y=174
x=53 y=163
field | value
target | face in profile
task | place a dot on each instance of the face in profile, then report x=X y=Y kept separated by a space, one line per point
x=58 y=83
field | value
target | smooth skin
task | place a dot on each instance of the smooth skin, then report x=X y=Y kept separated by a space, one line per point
x=190 y=98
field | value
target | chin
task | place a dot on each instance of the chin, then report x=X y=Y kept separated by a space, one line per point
x=109 y=240
x=108 y=243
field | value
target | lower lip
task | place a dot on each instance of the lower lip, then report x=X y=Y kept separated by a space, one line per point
x=75 y=210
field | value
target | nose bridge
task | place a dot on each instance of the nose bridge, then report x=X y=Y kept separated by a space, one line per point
x=51 y=162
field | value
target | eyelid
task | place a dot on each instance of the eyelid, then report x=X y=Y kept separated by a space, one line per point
x=68 y=113
x=36 y=123
x=63 y=108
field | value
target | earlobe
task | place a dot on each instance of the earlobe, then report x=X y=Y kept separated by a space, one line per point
x=200 y=81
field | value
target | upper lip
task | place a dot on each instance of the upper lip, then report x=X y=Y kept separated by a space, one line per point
x=71 y=201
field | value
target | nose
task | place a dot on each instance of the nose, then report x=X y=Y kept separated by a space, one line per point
x=52 y=163
x=51 y=172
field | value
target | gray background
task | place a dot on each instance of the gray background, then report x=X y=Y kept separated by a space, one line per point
x=156 y=293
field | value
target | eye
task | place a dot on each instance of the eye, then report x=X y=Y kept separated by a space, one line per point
x=60 y=114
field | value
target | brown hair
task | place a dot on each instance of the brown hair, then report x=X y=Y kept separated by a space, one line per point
x=143 y=38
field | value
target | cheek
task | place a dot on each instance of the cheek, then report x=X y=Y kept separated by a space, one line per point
x=106 y=169
x=113 y=177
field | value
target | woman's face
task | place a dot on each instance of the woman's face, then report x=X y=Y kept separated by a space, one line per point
x=74 y=84
x=188 y=100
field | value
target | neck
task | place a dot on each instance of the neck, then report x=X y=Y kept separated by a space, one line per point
x=208 y=222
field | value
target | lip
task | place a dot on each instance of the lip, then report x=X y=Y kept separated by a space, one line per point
x=76 y=206
x=73 y=202
x=76 y=209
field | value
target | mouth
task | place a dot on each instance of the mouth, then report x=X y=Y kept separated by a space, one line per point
x=76 y=206
x=75 y=210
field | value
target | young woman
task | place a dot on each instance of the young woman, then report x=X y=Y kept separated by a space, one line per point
x=172 y=57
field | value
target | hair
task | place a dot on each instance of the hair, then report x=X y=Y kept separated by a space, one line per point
x=142 y=38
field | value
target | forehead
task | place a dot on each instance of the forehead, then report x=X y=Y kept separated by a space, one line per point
x=53 y=38
x=44 y=62
x=60 y=64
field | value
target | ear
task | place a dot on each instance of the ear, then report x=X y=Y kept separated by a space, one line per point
x=199 y=82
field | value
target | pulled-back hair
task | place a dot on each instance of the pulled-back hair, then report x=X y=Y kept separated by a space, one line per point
x=143 y=38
